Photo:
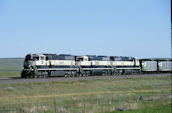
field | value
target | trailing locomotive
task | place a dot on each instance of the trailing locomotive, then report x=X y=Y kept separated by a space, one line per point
x=42 y=65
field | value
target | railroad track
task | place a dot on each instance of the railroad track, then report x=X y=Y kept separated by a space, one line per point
x=51 y=79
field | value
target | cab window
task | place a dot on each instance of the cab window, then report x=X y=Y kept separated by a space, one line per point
x=79 y=59
x=42 y=58
x=35 y=58
x=28 y=57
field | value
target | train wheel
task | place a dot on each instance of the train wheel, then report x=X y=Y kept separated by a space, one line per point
x=88 y=73
x=32 y=76
x=23 y=74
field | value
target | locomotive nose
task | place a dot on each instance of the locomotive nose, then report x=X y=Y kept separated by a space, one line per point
x=27 y=64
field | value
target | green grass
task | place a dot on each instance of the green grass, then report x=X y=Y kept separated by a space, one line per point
x=11 y=64
x=10 y=67
x=10 y=74
x=94 y=94
x=155 y=109
x=79 y=86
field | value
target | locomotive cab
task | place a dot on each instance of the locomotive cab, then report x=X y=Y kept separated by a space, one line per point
x=82 y=58
x=82 y=61
x=33 y=60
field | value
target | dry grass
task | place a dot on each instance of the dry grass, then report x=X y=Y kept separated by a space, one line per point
x=95 y=95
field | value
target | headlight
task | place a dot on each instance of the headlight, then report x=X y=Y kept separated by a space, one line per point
x=28 y=64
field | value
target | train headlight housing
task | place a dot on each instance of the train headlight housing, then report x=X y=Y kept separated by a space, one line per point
x=27 y=64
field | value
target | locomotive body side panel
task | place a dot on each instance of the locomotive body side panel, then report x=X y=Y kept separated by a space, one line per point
x=101 y=63
x=123 y=63
x=85 y=63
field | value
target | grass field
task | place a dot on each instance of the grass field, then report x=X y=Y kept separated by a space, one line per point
x=10 y=67
x=155 y=109
x=105 y=95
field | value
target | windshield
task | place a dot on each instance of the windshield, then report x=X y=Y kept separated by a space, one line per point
x=28 y=57
x=79 y=59
x=33 y=58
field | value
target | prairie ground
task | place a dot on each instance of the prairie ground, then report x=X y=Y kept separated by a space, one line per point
x=103 y=95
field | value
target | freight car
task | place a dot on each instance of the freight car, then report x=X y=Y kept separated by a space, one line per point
x=42 y=65
x=156 y=65
x=164 y=66
x=148 y=66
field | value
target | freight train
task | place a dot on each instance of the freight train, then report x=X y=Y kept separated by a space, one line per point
x=44 y=65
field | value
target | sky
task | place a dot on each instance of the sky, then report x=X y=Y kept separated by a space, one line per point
x=138 y=28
